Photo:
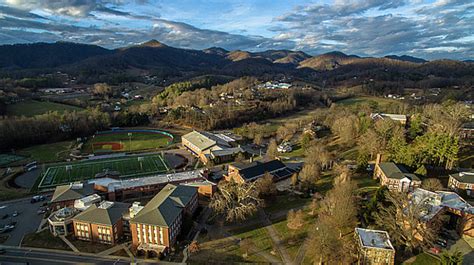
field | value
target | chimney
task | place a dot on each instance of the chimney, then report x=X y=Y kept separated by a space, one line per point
x=378 y=159
x=251 y=159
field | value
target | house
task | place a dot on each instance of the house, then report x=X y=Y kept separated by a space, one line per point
x=467 y=130
x=374 y=247
x=102 y=223
x=459 y=211
x=246 y=172
x=65 y=195
x=209 y=146
x=156 y=226
x=402 y=119
x=395 y=176
x=462 y=181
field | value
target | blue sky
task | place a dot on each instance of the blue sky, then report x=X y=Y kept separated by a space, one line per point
x=431 y=29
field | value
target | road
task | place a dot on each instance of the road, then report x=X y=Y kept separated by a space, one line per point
x=14 y=255
x=26 y=222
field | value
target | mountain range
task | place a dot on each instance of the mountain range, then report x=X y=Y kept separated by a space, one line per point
x=166 y=60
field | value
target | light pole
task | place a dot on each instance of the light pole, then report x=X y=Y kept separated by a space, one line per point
x=130 y=142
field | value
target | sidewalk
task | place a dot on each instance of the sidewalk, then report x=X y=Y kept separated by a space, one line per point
x=275 y=238
x=63 y=238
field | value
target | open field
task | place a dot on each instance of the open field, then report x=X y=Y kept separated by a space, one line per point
x=7 y=159
x=33 y=107
x=121 y=142
x=127 y=166
x=378 y=103
x=47 y=152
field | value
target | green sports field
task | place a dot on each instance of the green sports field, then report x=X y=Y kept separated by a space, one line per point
x=121 y=142
x=127 y=166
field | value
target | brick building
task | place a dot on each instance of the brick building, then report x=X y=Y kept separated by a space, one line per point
x=156 y=226
x=374 y=247
x=395 y=176
x=246 y=172
x=462 y=182
x=65 y=195
x=103 y=223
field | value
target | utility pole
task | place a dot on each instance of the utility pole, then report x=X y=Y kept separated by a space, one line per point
x=130 y=142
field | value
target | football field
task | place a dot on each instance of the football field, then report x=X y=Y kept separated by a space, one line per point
x=126 y=166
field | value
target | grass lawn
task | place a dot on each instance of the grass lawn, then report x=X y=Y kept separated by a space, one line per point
x=6 y=192
x=127 y=166
x=286 y=202
x=121 y=252
x=44 y=239
x=89 y=247
x=101 y=143
x=33 y=107
x=378 y=103
x=45 y=153
x=296 y=152
x=424 y=259
x=7 y=159
x=293 y=240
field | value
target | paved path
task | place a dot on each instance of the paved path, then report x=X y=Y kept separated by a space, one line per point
x=112 y=250
x=301 y=252
x=63 y=238
x=275 y=238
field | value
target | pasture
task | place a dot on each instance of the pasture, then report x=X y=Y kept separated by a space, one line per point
x=31 y=108
x=126 y=166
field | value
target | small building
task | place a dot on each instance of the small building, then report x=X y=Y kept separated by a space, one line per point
x=374 y=247
x=102 y=223
x=402 y=119
x=467 y=130
x=65 y=195
x=462 y=182
x=156 y=226
x=86 y=202
x=60 y=222
x=246 y=172
x=395 y=176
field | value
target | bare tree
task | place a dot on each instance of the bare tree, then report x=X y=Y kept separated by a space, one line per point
x=432 y=184
x=265 y=186
x=295 y=219
x=193 y=247
x=246 y=245
x=236 y=201
x=272 y=151
x=309 y=175
x=405 y=223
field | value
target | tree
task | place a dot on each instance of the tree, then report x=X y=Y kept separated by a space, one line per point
x=432 y=184
x=272 y=150
x=266 y=186
x=346 y=127
x=313 y=206
x=451 y=258
x=246 y=245
x=402 y=219
x=102 y=89
x=325 y=244
x=305 y=141
x=236 y=201
x=422 y=171
x=309 y=175
x=193 y=247
x=240 y=157
x=295 y=219
x=257 y=139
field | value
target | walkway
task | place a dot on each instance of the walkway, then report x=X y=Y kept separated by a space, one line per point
x=275 y=238
x=63 y=238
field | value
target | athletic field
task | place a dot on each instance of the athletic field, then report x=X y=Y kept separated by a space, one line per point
x=126 y=141
x=126 y=166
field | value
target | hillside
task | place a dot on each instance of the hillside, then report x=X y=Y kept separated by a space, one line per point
x=406 y=58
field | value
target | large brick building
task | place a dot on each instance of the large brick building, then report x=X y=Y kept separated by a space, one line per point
x=156 y=226
x=395 y=176
x=103 y=223
x=374 y=247
x=65 y=195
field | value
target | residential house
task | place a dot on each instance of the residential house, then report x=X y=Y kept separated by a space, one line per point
x=374 y=247
x=246 y=172
x=395 y=176
x=102 y=223
x=402 y=119
x=65 y=195
x=156 y=226
x=462 y=181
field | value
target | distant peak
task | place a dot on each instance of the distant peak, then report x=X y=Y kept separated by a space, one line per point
x=153 y=43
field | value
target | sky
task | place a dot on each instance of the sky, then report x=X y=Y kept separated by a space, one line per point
x=430 y=29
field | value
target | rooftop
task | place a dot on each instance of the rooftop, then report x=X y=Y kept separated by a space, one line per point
x=464 y=177
x=435 y=201
x=374 y=238
x=395 y=117
x=107 y=213
x=116 y=184
x=396 y=171
x=72 y=191
x=255 y=169
x=163 y=209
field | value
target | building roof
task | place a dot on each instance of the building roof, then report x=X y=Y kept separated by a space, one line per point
x=374 y=238
x=115 y=184
x=434 y=202
x=199 y=140
x=227 y=151
x=107 y=213
x=396 y=171
x=395 y=117
x=72 y=191
x=464 y=177
x=165 y=207
x=250 y=171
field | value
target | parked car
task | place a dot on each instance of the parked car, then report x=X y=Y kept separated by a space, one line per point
x=41 y=211
x=435 y=250
x=285 y=147
x=15 y=214
x=441 y=242
x=37 y=198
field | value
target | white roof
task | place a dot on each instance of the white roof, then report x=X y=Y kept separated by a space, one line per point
x=374 y=238
x=113 y=184
x=395 y=117
x=435 y=201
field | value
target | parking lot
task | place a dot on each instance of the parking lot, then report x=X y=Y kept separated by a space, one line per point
x=26 y=222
